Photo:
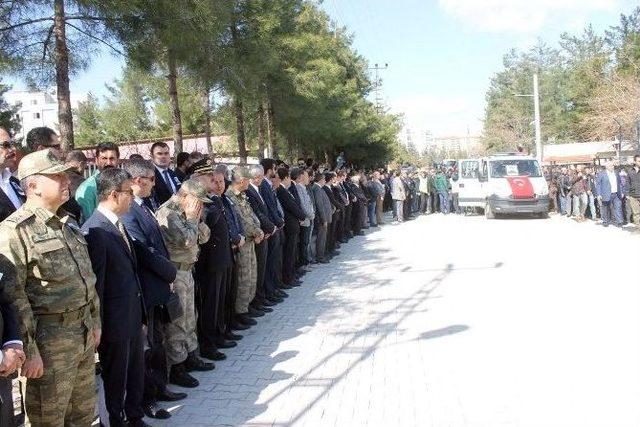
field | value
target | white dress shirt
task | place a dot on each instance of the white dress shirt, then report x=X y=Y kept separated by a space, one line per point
x=5 y=185
x=113 y=218
x=613 y=181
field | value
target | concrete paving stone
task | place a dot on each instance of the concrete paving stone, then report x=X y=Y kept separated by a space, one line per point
x=443 y=321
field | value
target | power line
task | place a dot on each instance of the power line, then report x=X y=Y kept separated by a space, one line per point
x=377 y=86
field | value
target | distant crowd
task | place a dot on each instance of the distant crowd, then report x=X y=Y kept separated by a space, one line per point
x=610 y=192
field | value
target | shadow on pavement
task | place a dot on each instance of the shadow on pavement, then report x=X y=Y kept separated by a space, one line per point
x=230 y=395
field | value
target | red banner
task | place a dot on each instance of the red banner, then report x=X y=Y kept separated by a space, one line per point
x=521 y=187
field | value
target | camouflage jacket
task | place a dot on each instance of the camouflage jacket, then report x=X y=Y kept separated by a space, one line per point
x=181 y=235
x=250 y=222
x=52 y=269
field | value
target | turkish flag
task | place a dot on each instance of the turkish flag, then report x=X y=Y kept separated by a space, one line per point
x=521 y=187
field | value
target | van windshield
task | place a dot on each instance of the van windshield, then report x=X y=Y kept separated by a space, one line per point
x=514 y=167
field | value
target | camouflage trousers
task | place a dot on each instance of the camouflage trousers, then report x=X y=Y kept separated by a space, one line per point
x=65 y=395
x=247 y=277
x=181 y=333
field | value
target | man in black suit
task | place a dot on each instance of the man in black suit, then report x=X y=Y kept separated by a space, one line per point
x=156 y=273
x=11 y=354
x=11 y=195
x=293 y=215
x=334 y=230
x=167 y=183
x=264 y=288
x=122 y=310
x=213 y=274
x=341 y=190
x=274 y=243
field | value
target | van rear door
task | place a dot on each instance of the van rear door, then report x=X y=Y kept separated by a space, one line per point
x=471 y=192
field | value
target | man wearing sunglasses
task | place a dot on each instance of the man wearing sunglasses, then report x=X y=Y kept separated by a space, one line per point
x=11 y=195
x=41 y=138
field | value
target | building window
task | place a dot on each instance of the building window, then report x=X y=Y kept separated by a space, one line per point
x=36 y=115
x=34 y=102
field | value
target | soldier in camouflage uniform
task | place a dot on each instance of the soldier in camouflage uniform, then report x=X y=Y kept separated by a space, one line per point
x=54 y=293
x=180 y=220
x=246 y=261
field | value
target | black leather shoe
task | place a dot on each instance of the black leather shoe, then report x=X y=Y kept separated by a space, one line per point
x=274 y=299
x=232 y=337
x=266 y=304
x=296 y=283
x=226 y=344
x=194 y=363
x=237 y=326
x=243 y=318
x=212 y=354
x=323 y=261
x=170 y=396
x=254 y=312
x=153 y=411
x=265 y=309
x=281 y=293
x=179 y=376
x=284 y=286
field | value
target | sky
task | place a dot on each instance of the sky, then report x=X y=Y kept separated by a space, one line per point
x=441 y=54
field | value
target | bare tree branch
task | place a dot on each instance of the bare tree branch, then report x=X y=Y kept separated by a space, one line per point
x=96 y=38
x=21 y=48
x=90 y=18
x=22 y=24
x=46 y=43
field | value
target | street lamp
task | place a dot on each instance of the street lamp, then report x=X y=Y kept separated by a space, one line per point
x=536 y=108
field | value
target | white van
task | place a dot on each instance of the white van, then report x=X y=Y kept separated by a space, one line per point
x=503 y=183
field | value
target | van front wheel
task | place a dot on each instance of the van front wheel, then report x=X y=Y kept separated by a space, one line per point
x=488 y=212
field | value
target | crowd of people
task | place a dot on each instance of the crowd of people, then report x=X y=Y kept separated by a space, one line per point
x=610 y=193
x=156 y=267
x=423 y=191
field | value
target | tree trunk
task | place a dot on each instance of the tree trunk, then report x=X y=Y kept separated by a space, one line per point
x=262 y=131
x=175 y=104
x=242 y=143
x=65 y=117
x=272 y=133
x=207 y=119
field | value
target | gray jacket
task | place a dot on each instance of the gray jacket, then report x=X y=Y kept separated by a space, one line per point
x=324 y=210
x=307 y=205
x=397 y=189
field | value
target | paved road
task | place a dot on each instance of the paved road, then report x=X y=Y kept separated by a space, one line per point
x=445 y=321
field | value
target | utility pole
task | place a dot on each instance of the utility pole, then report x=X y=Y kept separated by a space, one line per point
x=536 y=108
x=377 y=86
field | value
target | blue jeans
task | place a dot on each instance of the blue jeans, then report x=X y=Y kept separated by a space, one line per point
x=444 y=202
x=371 y=210
x=565 y=205
x=592 y=206
x=612 y=208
